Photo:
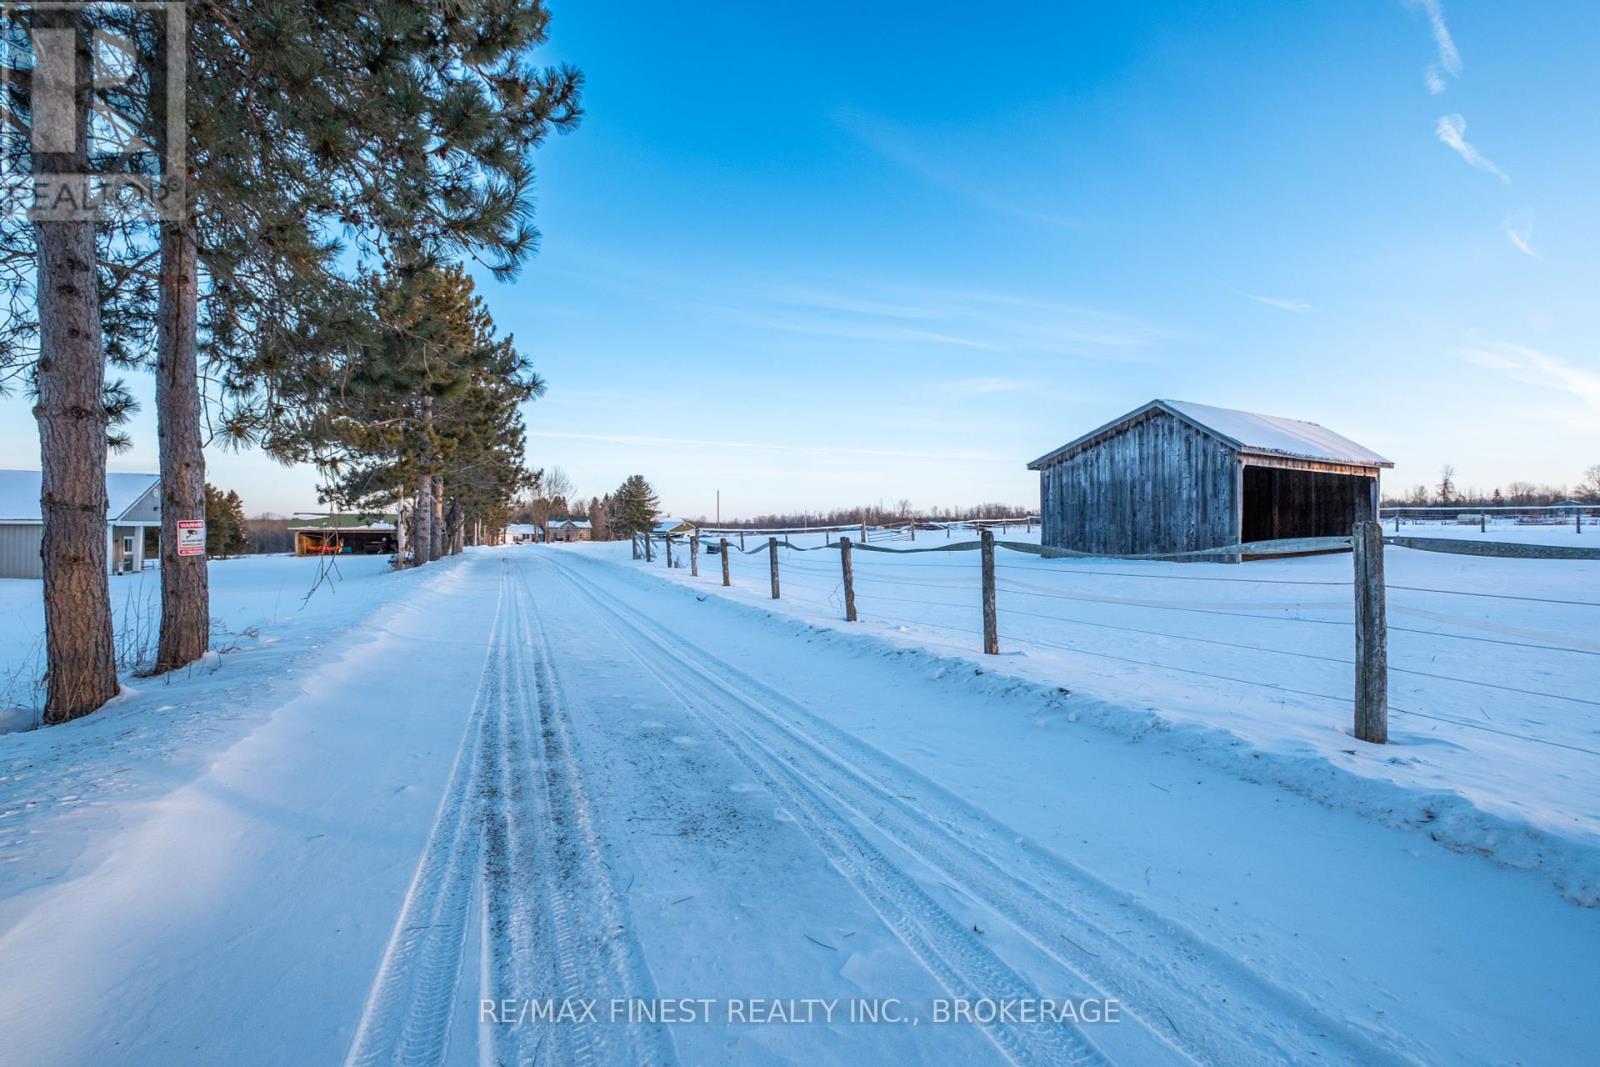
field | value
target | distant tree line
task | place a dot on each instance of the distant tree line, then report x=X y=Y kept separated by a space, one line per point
x=872 y=515
x=1447 y=492
x=269 y=534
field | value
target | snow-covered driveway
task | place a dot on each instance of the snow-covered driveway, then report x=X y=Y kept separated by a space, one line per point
x=542 y=776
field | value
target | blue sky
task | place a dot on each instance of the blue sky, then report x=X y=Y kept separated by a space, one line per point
x=830 y=254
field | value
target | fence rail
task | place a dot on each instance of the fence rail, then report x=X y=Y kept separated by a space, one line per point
x=1365 y=610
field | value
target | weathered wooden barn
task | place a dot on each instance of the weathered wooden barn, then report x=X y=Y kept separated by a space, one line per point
x=1173 y=476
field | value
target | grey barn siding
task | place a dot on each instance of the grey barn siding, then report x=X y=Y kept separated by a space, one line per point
x=19 y=550
x=1158 y=485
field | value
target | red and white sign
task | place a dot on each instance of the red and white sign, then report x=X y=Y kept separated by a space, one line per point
x=191 y=537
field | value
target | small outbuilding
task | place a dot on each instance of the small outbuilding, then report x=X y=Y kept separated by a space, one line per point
x=1174 y=476
x=133 y=522
x=674 y=527
x=347 y=535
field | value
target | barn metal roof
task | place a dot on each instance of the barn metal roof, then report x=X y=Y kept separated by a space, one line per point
x=1245 y=431
x=344 y=522
x=20 y=490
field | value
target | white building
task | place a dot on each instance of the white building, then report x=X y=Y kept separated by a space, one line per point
x=521 y=533
x=133 y=522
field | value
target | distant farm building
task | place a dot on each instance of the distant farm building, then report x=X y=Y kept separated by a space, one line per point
x=571 y=530
x=1173 y=476
x=133 y=522
x=343 y=535
x=520 y=533
x=673 y=526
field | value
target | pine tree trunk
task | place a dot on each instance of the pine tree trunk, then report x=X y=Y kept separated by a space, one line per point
x=185 y=603
x=458 y=529
x=436 y=551
x=400 y=539
x=70 y=378
x=422 y=525
x=422 y=548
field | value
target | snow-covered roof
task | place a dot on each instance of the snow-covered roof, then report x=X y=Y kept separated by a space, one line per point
x=354 y=522
x=521 y=528
x=19 y=494
x=1278 y=435
x=1248 y=432
x=577 y=524
x=669 y=524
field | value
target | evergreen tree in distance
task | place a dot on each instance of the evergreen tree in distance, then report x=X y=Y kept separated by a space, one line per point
x=636 y=506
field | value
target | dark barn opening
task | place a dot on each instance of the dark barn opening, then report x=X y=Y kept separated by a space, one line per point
x=1280 y=503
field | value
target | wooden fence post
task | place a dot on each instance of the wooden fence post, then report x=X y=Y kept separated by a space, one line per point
x=1372 y=651
x=741 y=540
x=1397 y=524
x=636 y=546
x=913 y=529
x=1483 y=522
x=864 y=537
x=991 y=629
x=694 y=555
x=772 y=551
x=668 y=541
x=725 y=580
x=849 y=580
x=649 y=548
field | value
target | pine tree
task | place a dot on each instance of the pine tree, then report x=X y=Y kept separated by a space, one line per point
x=68 y=375
x=430 y=399
x=409 y=126
x=636 y=506
x=227 y=530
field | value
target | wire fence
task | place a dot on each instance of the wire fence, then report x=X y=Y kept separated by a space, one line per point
x=1573 y=513
x=1143 y=617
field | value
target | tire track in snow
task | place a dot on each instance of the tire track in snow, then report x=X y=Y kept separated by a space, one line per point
x=591 y=947
x=406 y=1019
x=1175 y=982
x=960 y=962
x=515 y=830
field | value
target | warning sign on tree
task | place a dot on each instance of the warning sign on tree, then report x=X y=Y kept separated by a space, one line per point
x=191 y=537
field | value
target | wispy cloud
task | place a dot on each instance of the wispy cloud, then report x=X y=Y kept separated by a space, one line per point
x=857 y=332
x=1285 y=303
x=902 y=314
x=894 y=315
x=1521 y=238
x=945 y=170
x=967 y=386
x=1449 y=58
x=1533 y=367
x=1450 y=131
x=643 y=441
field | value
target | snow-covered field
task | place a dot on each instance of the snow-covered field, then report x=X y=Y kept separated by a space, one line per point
x=253 y=593
x=554 y=772
x=1495 y=720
